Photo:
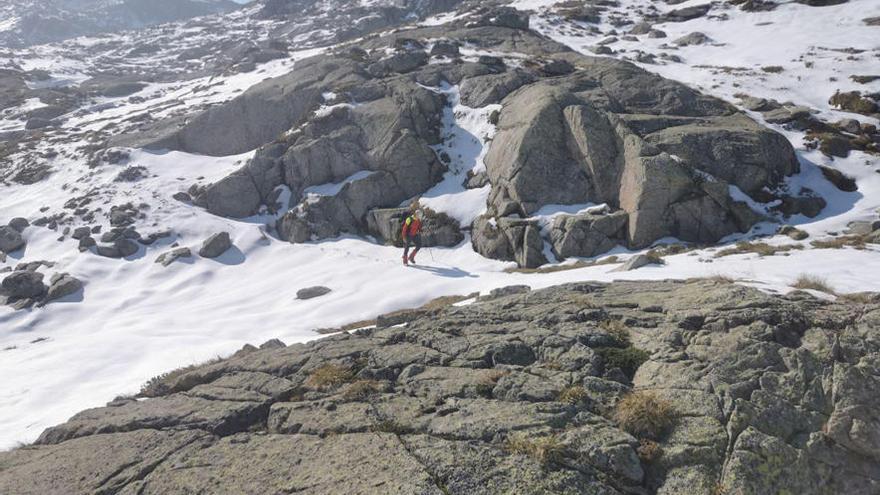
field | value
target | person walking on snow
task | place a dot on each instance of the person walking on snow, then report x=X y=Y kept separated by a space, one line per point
x=411 y=233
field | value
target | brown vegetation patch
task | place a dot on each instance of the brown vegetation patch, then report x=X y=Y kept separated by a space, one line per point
x=812 y=282
x=546 y=450
x=644 y=414
x=759 y=248
x=328 y=376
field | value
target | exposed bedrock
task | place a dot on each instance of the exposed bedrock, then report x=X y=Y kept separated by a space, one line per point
x=356 y=130
x=519 y=392
x=654 y=149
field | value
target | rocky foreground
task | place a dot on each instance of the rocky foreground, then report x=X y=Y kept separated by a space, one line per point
x=701 y=387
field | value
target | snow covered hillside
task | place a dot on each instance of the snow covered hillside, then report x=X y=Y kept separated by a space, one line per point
x=135 y=318
x=29 y=22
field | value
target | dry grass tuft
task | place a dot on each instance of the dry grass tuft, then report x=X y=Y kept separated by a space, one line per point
x=432 y=305
x=644 y=414
x=813 y=282
x=545 y=450
x=861 y=298
x=329 y=376
x=163 y=384
x=361 y=390
x=628 y=359
x=487 y=383
x=719 y=489
x=759 y=248
x=610 y=260
x=617 y=330
x=649 y=450
x=446 y=301
x=573 y=395
x=853 y=241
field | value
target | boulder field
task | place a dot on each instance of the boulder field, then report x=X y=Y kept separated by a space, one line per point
x=698 y=387
x=572 y=129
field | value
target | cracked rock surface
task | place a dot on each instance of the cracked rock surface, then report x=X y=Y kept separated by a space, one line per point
x=771 y=394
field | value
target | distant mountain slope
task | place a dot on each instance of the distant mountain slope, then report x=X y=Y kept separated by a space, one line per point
x=29 y=22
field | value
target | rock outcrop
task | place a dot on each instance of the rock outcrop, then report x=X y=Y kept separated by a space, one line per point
x=355 y=130
x=519 y=392
x=25 y=287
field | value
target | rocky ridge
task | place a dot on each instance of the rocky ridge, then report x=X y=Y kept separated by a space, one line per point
x=515 y=392
x=572 y=130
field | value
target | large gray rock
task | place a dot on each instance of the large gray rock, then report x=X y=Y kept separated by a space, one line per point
x=735 y=149
x=19 y=224
x=234 y=196
x=10 y=239
x=587 y=235
x=437 y=229
x=389 y=134
x=62 y=285
x=215 y=245
x=664 y=156
x=254 y=118
x=509 y=239
x=24 y=284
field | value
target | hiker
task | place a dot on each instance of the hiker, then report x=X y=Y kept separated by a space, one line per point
x=411 y=233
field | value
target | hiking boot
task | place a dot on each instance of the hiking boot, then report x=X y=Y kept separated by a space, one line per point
x=412 y=258
x=405 y=262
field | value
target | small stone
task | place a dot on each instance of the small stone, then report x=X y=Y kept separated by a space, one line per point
x=111 y=236
x=19 y=224
x=215 y=245
x=10 y=240
x=793 y=232
x=166 y=259
x=62 y=285
x=86 y=242
x=636 y=262
x=839 y=179
x=81 y=232
x=850 y=125
x=155 y=236
x=312 y=292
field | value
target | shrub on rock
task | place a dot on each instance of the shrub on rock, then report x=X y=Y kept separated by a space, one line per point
x=644 y=414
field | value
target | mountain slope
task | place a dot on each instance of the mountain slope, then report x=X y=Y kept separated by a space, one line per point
x=32 y=23
x=519 y=391
x=135 y=318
